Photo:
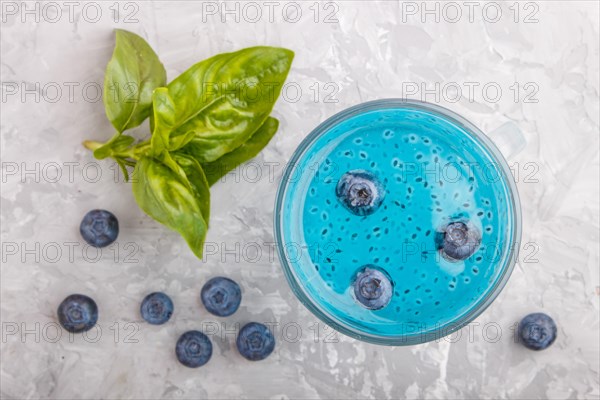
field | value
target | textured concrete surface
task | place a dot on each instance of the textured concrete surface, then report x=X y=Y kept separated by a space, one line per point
x=536 y=64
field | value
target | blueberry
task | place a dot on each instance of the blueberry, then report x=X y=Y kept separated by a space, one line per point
x=372 y=288
x=221 y=296
x=537 y=331
x=78 y=313
x=156 y=308
x=99 y=228
x=193 y=349
x=360 y=192
x=255 y=341
x=458 y=241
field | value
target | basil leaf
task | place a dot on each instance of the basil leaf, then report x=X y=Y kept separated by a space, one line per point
x=164 y=119
x=216 y=169
x=133 y=72
x=163 y=195
x=177 y=142
x=226 y=98
x=166 y=158
x=117 y=144
x=197 y=179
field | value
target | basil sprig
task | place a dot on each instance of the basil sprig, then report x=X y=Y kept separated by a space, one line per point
x=203 y=124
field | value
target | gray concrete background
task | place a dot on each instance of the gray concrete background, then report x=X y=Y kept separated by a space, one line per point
x=348 y=53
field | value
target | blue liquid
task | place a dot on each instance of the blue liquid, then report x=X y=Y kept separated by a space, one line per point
x=434 y=172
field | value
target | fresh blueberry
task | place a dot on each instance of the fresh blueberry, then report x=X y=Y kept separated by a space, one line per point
x=255 y=341
x=99 y=228
x=537 y=331
x=78 y=313
x=360 y=192
x=193 y=349
x=221 y=296
x=458 y=241
x=372 y=288
x=156 y=308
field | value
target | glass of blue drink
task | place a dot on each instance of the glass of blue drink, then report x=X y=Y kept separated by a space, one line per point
x=397 y=222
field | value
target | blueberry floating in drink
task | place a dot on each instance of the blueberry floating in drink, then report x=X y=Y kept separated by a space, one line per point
x=78 y=313
x=255 y=341
x=360 y=192
x=537 y=331
x=458 y=240
x=221 y=296
x=156 y=308
x=99 y=228
x=372 y=288
x=193 y=349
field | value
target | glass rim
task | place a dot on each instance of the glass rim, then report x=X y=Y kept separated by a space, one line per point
x=428 y=334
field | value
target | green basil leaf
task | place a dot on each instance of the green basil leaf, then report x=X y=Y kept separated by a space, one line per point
x=163 y=195
x=226 y=98
x=133 y=72
x=177 y=142
x=216 y=169
x=166 y=158
x=117 y=144
x=164 y=120
x=197 y=179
